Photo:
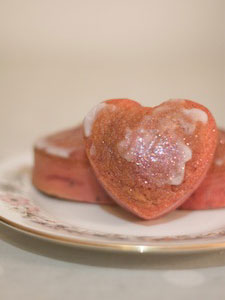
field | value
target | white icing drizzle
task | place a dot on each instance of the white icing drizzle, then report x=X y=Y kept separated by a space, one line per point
x=92 y=150
x=153 y=152
x=43 y=144
x=188 y=124
x=166 y=105
x=196 y=114
x=220 y=152
x=186 y=154
x=188 y=127
x=160 y=153
x=91 y=117
x=219 y=162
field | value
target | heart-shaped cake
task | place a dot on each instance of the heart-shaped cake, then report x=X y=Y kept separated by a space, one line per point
x=150 y=160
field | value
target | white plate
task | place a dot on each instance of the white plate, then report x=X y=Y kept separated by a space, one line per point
x=101 y=227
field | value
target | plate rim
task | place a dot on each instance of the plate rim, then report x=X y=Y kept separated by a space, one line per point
x=115 y=247
x=121 y=247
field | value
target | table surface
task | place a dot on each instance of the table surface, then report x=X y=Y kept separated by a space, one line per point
x=35 y=269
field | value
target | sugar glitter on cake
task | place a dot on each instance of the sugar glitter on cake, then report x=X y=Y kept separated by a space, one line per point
x=161 y=158
x=160 y=153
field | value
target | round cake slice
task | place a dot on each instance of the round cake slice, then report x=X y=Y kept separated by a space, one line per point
x=211 y=193
x=61 y=168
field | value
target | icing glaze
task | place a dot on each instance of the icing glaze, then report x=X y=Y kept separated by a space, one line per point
x=219 y=162
x=91 y=117
x=159 y=152
x=43 y=144
x=186 y=118
x=220 y=156
x=197 y=115
x=167 y=105
x=161 y=158
x=188 y=127
x=92 y=150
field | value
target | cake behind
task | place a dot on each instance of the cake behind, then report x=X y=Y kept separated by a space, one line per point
x=61 y=168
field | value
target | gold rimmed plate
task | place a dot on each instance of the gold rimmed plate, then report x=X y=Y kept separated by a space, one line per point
x=101 y=227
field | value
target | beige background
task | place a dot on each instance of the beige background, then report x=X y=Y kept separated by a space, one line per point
x=59 y=58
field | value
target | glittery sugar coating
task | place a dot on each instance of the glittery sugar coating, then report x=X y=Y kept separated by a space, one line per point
x=160 y=153
x=162 y=158
x=211 y=192
x=150 y=160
